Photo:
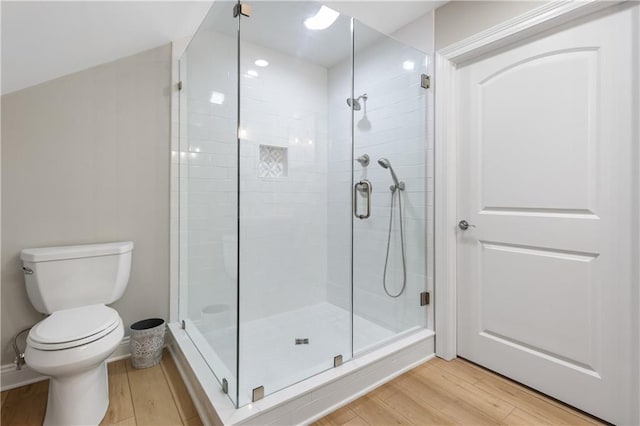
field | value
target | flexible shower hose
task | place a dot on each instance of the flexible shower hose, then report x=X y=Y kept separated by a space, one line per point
x=386 y=260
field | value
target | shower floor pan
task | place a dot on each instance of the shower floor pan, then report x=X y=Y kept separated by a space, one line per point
x=269 y=357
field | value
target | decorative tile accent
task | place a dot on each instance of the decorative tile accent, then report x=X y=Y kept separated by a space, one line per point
x=273 y=161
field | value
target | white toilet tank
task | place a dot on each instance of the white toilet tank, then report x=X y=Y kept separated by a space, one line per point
x=72 y=276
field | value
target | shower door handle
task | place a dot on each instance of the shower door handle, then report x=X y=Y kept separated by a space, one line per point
x=364 y=187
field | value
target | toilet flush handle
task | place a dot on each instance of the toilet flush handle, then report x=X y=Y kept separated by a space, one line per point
x=27 y=271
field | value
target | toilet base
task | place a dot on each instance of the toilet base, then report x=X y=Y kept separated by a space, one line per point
x=78 y=399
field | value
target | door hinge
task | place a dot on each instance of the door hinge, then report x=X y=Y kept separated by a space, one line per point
x=425 y=298
x=225 y=386
x=425 y=81
x=179 y=85
x=241 y=9
x=183 y=325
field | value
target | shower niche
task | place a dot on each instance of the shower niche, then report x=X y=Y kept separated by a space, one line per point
x=268 y=174
x=272 y=162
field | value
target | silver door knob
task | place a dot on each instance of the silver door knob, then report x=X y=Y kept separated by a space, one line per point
x=464 y=225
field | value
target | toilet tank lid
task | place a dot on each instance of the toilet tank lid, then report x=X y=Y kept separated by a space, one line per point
x=45 y=254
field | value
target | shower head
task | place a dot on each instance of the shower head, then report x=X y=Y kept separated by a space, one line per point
x=355 y=103
x=386 y=164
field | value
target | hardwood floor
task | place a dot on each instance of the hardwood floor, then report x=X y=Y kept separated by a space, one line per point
x=436 y=393
x=455 y=392
x=151 y=396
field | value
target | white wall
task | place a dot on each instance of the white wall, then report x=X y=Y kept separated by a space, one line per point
x=85 y=159
x=458 y=20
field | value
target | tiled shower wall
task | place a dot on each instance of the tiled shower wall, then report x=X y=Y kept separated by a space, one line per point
x=283 y=218
x=393 y=125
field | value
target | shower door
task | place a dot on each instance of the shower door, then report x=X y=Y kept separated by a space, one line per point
x=289 y=330
x=390 y=242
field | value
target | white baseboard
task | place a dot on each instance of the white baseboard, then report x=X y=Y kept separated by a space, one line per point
x=11 y=378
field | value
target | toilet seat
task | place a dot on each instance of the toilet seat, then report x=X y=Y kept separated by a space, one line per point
x=74 y=327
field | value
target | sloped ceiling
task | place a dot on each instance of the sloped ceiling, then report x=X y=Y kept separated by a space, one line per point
x=43 y=40
x=48 y=39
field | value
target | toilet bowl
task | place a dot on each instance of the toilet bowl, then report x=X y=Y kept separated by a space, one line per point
x=71 y=346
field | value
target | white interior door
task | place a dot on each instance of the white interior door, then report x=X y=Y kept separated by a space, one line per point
x=546 y=175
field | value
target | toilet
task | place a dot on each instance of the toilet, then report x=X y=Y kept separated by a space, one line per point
x=74 y=284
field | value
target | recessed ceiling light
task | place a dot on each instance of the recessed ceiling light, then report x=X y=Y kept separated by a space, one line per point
x=216 y=98
x=322 y=19
x=262 y=63
x=408 y=65
x=252 y=73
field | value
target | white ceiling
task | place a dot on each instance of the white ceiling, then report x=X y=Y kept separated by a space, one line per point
x=48 y=39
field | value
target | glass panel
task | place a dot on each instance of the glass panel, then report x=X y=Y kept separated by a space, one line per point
x=208 y=191
x=390 y=125
x=286 y=248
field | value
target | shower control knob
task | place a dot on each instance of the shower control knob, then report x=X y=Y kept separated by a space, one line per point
x=464 y=225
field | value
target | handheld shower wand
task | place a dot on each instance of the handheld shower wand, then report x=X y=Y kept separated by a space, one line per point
x=397 y=185
x=387 y=165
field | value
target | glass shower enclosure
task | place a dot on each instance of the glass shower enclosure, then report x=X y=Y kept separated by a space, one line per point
x=303 y=192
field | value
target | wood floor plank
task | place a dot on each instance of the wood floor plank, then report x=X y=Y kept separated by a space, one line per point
x=131 y=421
x=425 y=391
x=30 y=390
x=120 y=402
x=341 y=416
x=3 y=396
x=490 y=376
x=522 y=418
x=193 y=421
x=181 y=396
x=152 y=400
x=387 y=390
x=357 y=421
x=376 y=412
x=464 y=370
x=485 y=402
x=532 y=403
x=26 y=405
x=325 y=421
x=466 y=414
x=417 y=411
